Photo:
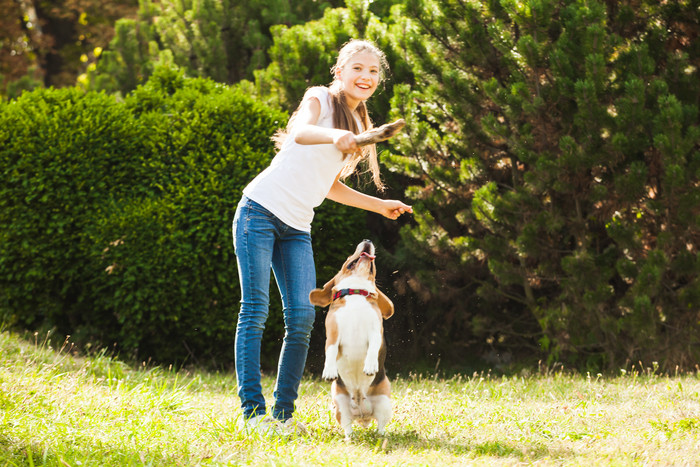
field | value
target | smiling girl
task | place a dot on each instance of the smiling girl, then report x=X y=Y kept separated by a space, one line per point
x=272 y=224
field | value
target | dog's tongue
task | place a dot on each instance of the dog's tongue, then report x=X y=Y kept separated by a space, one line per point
x=364 y=253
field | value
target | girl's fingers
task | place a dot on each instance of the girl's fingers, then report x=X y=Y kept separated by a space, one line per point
x=396 y=208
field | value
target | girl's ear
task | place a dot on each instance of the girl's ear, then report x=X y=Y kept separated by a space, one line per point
x=322 y=297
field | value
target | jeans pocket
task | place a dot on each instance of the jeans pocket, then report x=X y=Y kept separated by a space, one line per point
x=258 y=211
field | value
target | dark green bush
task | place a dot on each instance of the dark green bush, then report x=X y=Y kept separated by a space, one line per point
x=64 y=156
x=117 y=216
x=168 y=272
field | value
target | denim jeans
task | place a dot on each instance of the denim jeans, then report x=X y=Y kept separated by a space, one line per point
x=263 y=242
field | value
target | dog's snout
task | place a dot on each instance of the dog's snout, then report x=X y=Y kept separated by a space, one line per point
x=364 y=250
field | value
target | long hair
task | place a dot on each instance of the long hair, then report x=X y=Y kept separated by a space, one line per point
x=343 y=116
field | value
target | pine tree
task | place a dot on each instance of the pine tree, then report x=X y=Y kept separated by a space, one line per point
x=555 y=149
x=224 y=40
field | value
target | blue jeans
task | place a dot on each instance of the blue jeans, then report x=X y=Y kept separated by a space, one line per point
x=262 y=241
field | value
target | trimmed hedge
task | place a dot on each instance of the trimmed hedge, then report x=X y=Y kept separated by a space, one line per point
x=63 y=156
x=117 y=216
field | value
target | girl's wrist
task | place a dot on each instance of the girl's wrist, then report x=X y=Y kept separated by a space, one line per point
x=382 y=206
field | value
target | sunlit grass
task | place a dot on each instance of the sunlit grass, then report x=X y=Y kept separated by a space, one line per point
x=60 y=409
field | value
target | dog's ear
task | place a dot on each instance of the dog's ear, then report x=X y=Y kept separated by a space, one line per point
x=386 y=306
x=322 y=297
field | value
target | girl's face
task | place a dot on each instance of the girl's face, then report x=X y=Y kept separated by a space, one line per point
x=360 y=77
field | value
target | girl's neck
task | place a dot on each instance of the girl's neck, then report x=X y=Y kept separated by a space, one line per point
x=351 y=103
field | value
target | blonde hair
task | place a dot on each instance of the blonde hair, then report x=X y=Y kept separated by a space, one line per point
x=343 y=117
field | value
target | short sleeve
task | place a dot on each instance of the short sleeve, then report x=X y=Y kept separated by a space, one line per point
x=321 y=93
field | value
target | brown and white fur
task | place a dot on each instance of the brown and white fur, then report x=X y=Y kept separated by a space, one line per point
x=355 y=347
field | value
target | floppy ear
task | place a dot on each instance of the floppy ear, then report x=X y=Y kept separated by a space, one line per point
x=322 y=297
x=386 y=306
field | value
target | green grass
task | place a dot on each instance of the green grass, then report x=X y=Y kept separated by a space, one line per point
x=58 y=409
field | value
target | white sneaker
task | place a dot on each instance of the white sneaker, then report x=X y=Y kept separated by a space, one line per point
x=263 y=424
x=294 y=427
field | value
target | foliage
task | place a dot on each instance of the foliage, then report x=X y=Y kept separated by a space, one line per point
x=555 y=151
x=53 y=43
x=169 y=273
x=64 y=155
x=224 y=40
x=551 y=153
x=117 y=215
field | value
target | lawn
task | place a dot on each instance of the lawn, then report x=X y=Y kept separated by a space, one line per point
x=59 y=409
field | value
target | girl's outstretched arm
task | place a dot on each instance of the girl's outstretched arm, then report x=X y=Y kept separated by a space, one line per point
x=341 y=193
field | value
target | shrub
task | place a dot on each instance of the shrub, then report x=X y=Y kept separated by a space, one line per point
x=168 y=272
x=137 y=250
x=64 y=156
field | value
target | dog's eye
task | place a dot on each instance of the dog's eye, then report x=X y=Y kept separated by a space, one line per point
x=352 y=263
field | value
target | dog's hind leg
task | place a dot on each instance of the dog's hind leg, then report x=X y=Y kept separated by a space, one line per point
x=381 y=406
x=342 y=404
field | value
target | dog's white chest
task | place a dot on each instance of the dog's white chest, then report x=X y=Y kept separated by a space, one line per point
x=357 y=322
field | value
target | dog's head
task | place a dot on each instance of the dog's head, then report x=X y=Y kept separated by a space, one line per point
x=359 y=268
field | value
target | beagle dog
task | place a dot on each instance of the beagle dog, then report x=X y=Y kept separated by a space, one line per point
x=355 y=347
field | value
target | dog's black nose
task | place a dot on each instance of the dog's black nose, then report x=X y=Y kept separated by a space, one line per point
x=366 y=241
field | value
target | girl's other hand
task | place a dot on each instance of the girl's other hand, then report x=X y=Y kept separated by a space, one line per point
x=345 y=142
x=393 y=209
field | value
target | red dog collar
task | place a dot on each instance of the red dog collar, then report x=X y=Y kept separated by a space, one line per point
x=343 y=292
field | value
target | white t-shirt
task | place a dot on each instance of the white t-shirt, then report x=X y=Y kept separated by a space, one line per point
x=299 y=176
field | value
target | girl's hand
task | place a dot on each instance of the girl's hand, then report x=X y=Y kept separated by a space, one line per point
x=345 y=141
x=393 y=209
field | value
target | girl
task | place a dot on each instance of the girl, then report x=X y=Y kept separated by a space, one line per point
x=272 y=224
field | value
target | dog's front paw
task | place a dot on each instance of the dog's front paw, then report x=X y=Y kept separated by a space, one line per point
x=371 y=367
x=330 y=372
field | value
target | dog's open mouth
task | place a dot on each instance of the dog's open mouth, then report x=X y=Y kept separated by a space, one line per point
x=365 y=251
